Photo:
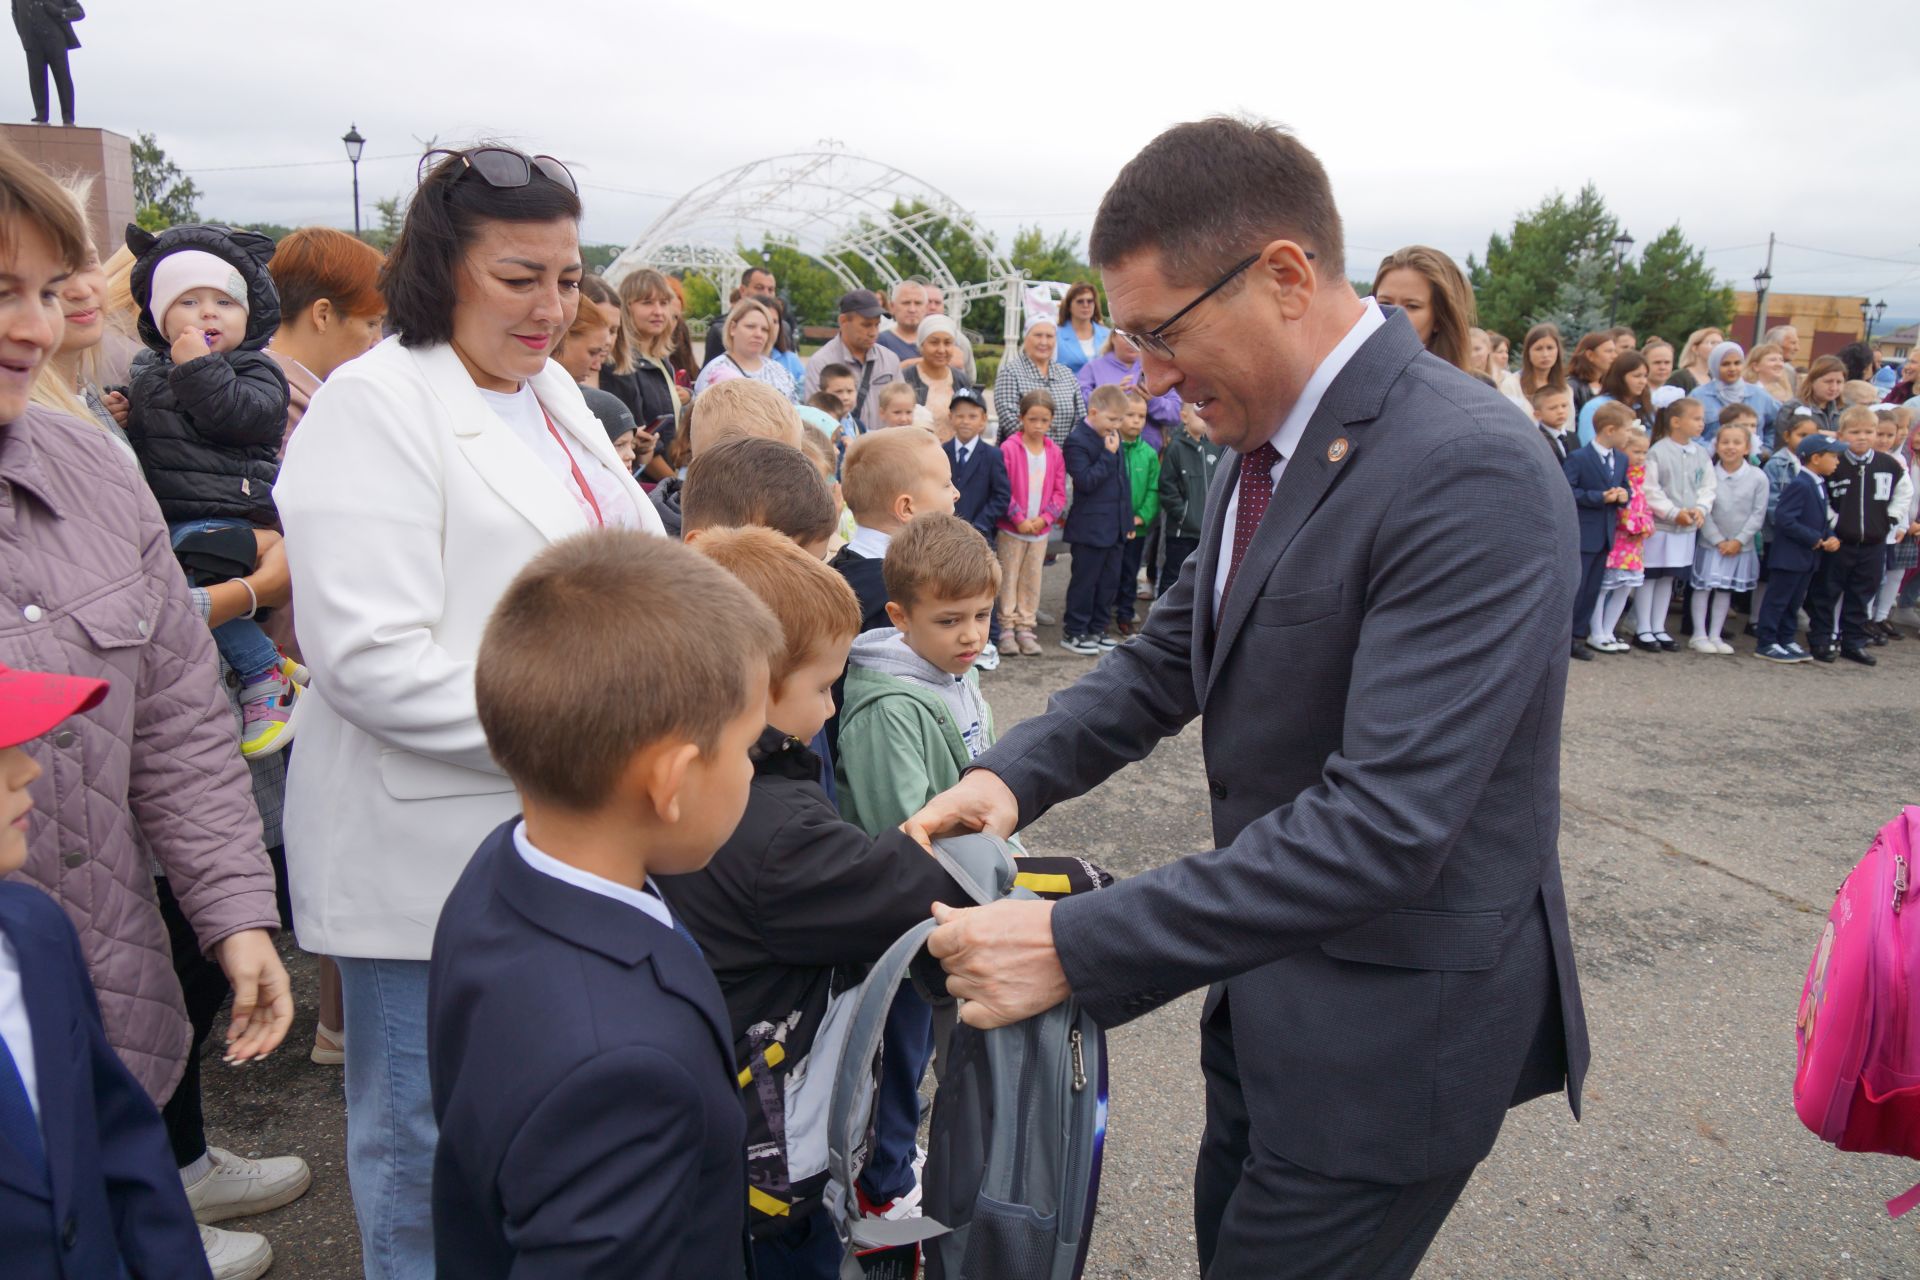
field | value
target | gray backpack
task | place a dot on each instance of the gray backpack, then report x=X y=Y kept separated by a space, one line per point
x=1019 y=1120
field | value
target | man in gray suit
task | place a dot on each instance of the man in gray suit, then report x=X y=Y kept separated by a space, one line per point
x=1375 y=630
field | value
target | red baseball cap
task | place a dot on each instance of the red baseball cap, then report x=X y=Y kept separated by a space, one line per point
x=32 y=702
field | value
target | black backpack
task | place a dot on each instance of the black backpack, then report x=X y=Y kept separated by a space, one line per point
x=1019 y=1118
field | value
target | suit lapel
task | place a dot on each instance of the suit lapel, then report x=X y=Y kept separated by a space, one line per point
x=52 y=1021
x=1225 y=477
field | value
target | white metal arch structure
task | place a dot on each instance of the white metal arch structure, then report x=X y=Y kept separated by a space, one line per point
x=829 y=205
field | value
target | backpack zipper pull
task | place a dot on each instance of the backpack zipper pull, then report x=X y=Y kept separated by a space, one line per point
x=1079 y=1063
x=1899 y=882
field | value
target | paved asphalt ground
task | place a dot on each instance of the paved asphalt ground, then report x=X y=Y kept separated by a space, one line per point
x=1711 y=808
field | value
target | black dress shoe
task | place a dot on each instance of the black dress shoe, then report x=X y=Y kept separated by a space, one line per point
x=1668 y=643
x=1823 y=655
x=1877 y=641
x=1581 y=652
x=1860 y=656
x=1647 y=643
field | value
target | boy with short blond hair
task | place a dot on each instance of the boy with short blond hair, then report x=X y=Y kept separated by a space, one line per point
x=1098 y=522
x=737 y=409
x=575 y=1034
x=1142 y=465
x=888 y=478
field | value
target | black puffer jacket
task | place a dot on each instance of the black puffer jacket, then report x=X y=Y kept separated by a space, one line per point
x=208 y=431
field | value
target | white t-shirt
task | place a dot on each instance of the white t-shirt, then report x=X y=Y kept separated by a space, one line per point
x=523 y=415
x=1036 y=489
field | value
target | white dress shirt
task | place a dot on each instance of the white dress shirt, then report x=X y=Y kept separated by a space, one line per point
x=868 y=543
x=15 y=1029
x=546 y=865
x=1287 y=437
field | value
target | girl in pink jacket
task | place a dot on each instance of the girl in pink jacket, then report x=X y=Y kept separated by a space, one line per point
x=1037 y=471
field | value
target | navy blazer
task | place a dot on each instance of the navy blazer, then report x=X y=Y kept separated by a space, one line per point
x=583 y=1082
x=985 y=490
x=1799 y=521
x=1102 y=510
x=1591 y=476
x=111 y=1193
x=1383 y=914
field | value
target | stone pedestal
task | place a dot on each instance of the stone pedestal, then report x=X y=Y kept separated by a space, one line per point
x=107 y=157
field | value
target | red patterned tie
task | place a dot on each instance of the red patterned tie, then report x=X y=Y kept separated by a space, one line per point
x=1256 y=490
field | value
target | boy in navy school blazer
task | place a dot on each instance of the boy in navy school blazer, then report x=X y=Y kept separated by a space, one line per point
x=1801 y=532
x=88 y=1183
x=577 y=1041
x=1598 y=474
x=985 y=490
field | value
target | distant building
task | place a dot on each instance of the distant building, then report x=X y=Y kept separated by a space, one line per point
x=1894 y=347
x=1826 y=322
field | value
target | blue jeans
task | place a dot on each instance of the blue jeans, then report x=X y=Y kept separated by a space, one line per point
x=390 y=1129
x=906 y=1045
x=240 y=641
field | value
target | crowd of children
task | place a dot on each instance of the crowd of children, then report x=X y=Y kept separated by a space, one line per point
x=1691 y=505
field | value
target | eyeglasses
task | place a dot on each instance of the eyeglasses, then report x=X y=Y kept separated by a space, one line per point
x=1154 y=343
x=504 y=169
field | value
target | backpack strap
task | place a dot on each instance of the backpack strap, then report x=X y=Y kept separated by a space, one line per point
x=982 y=865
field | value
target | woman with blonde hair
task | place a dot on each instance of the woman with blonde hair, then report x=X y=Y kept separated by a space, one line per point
x=1767 y=366
x=1692 y=372
x=649 y=310
x=747 y=342
x=1428 y=286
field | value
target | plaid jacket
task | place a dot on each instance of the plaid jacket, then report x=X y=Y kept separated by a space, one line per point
x=1017 y=376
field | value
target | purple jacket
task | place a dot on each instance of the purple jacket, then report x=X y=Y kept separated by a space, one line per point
x=91 y=588
x=1163 y=412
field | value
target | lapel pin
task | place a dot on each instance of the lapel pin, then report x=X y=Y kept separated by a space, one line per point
x=1338 y=449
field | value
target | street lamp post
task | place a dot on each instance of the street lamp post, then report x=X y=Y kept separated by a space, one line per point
x=1872 y=317
x=1621 y=243
x=1762 y=281
x=355 y=145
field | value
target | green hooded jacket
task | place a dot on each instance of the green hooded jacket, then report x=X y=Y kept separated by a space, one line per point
x=900 y=744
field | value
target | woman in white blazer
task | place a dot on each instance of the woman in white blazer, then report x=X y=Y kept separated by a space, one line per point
x=425 y=475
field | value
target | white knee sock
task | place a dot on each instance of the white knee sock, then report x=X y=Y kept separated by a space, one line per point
x=1883 y=599
x=1597 y=625
x=1643 y=609
x=1662 y=601
x=1615 y=604
x=1698 y=607
x=1717 y=614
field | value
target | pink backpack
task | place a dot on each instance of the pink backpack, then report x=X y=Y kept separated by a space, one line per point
x=1858 y=1082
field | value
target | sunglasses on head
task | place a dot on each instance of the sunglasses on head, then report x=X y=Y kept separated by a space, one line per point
x=504 y=169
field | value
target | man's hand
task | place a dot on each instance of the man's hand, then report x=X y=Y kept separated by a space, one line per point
x=999 y=959
x=978 y=802
x=262 y=996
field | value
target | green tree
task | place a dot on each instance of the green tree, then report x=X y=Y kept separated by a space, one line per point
x=1671 y=291
x=1519 y=282
x=163 y=196
x=1580 y=303
x=390 y=212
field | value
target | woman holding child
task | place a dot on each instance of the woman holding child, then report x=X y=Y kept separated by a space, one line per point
x=449 y=456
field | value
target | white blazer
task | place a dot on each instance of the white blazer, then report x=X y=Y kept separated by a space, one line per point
x=408 y=507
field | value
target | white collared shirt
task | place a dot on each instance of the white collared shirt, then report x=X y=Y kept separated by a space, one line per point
x=871 y=544
x=15 y=1028
x=1287 y=438
x=546 y=865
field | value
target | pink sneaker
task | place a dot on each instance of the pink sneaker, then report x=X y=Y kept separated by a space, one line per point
x=266 y=710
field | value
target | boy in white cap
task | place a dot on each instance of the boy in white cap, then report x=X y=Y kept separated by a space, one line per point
x=208 y=410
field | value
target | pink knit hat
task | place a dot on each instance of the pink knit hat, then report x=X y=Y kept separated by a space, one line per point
x=177 y=273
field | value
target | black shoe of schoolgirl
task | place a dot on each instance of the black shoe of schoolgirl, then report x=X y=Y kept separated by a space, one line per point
x=1860 y=656
x=1646 y=642
x=1823 y=655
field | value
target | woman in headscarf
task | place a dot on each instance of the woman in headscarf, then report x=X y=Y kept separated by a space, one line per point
x=1725 y=386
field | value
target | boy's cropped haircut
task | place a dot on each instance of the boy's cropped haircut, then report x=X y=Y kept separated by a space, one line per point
x=824 y=457
x=1034 y=399
x=825 y=401
x=763 y=482
x=814 y=606
x=1731 y=413
x=939 y=557
x=1545 y=392
x=828 y=372
x=741 y=408
x=1859 y=415
x=564 y=639
x=882 y=465
x=1108 y=399
x=1612 y=414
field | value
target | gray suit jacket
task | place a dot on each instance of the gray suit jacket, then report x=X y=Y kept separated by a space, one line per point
x=1382 y=700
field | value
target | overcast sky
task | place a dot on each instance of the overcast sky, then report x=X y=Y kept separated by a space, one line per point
x=1728 y=121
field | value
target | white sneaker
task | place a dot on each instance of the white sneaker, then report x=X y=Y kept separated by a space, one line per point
x=908 y=1205
x=236 y=1255
x=237 y=1188
x=989 y=658
x=1700 y=644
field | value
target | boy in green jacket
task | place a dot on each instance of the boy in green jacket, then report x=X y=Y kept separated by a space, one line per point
x=1143 y=473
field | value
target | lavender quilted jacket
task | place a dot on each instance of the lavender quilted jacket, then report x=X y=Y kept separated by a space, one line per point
x=89 y=586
